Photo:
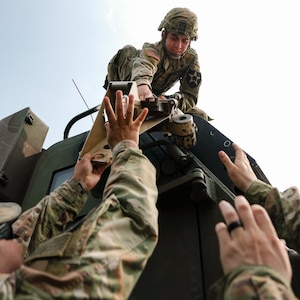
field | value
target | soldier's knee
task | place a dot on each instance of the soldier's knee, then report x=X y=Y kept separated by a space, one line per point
x=120 y=66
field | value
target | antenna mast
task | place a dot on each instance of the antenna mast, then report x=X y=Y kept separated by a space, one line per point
x=82 y=98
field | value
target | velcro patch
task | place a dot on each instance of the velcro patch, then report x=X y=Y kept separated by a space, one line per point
x=152 y=54
x=193 y=78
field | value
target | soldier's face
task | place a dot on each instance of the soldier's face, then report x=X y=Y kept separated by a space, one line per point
x=176 y=45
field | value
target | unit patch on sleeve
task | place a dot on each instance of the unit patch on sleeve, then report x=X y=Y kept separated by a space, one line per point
x=193 y=78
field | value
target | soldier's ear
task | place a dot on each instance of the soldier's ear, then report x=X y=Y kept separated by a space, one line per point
x=163 y=34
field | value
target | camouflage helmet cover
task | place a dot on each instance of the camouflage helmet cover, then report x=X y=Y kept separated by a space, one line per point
x=181 y=21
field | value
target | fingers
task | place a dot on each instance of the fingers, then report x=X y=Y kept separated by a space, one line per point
x=252 y=217
x=237 y=149
x=230 y=215
x=242 y=213
x=239 y=154
x=222 y=233
x=117 y=113
x=87 y=156
x=142 y=116
x=263 y=220
x=124 y=110
x=109 y=110
x=99 y=167
x=225 y=159
x=120 y=106
x=130 y=112
x=129 y=108
x=245 y=212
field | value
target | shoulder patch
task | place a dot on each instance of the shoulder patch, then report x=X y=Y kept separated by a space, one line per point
x=193 y=78
x=151 y=53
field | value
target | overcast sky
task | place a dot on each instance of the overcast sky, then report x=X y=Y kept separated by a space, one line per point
x=248 y=52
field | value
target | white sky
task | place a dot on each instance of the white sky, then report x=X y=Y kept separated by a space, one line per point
x=248 y=52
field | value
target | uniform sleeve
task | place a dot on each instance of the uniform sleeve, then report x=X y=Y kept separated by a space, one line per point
x=283 y=208
x=145 y=65
x=128 y=231
x=132 y=181
x=252 y=282
x=49 y=217
x=191 y=81
x=190 y=85
x=104 y=256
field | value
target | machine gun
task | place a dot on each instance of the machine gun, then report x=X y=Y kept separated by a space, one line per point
x=162 y=112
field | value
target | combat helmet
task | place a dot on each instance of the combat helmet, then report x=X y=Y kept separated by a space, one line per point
x=181 y=21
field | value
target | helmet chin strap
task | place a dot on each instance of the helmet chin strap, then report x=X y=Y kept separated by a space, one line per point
x=172 y=55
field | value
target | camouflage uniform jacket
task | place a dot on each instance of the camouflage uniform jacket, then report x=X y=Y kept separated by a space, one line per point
x=151 y=66
x=103 y=257
x=154 y=68
x=259 y=282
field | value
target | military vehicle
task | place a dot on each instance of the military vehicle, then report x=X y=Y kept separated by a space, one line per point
x=191 y=180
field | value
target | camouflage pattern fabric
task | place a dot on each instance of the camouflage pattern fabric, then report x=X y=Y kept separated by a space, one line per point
x=180 y=20
x=252 y=282
x=283 y=208
x=104 y=256
x=152 y=66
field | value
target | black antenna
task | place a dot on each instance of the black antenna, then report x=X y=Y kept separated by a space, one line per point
x=82 y=98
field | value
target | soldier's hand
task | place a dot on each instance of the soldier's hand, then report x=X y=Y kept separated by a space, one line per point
x=144 y=92
x=121 y=125
x=11 y=256
x=88 y=174
x=254 y=241
x=240 y=172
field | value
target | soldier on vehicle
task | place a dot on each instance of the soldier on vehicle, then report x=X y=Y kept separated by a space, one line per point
x=158 y=67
